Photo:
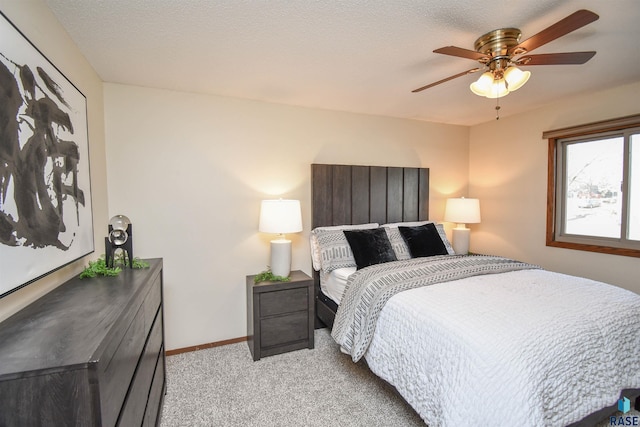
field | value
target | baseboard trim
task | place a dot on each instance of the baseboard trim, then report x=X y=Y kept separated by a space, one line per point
x=204 y=346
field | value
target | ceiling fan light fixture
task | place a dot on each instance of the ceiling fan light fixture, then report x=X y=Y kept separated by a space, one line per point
x=492 y=85
x=499 y=51
x=482 y=86
x=489 y=86
x=516 y=78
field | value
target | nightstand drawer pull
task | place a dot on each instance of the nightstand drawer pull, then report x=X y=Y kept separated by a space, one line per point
x=285 y=301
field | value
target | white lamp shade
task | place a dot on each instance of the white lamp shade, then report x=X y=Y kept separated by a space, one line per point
x=280 y=216
x=462 y=211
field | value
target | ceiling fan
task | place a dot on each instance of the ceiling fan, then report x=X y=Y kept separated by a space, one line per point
x=500 y=53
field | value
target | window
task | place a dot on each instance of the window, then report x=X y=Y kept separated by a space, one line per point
x=593 y=201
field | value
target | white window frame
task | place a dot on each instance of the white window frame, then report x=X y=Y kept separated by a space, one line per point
x=558 y=140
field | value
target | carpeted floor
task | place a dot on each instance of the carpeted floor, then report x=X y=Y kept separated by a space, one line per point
x=224 y=387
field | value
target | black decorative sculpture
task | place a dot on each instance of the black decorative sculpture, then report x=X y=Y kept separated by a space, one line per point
x=120 y=237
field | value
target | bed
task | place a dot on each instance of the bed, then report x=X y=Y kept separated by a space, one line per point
x=466 y=340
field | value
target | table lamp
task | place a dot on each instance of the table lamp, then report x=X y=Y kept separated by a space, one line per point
x=462 y=211
x=280 y=217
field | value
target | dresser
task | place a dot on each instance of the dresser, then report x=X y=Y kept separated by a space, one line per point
x=89 y=353
x=280 y=315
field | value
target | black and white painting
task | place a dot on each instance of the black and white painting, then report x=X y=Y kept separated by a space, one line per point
x=45 y=194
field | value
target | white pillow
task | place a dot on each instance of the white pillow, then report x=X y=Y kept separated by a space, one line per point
x=406 y=224
x=400 y=246
x=330 y=248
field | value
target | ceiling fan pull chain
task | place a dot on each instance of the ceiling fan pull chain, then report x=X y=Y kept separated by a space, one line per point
x=498 y=108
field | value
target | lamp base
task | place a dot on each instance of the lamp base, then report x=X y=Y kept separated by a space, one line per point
x=281 y=257
x=461 y=239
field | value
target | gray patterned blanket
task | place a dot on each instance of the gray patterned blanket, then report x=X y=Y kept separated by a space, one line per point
x=369 y=289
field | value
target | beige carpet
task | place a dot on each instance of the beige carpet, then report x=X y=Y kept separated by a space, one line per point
x=223 y=386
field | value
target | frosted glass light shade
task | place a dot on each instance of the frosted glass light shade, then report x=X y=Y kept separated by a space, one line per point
x=462 y=211
x=483 y=85
x=516 y=78
x=280 y=216
x=498 y=89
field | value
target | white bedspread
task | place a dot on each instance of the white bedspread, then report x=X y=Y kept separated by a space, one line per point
x=524 y=348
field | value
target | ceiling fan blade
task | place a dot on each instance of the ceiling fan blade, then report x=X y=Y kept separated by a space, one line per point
x=555 y=58
x=464 y=73
x=571 y=23
x=462 y=53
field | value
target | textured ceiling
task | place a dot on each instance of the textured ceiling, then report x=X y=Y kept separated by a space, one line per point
x=351 y=55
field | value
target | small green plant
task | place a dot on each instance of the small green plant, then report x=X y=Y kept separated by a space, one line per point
x=138 y=263
x=121 y=260
x=99 y=266
x=268 y=276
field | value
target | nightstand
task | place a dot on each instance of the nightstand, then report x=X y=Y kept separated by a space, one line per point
x=280 y=315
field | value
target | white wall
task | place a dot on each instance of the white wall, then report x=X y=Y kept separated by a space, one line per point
x=190 y=171
x=41 y=27
x=508 y=173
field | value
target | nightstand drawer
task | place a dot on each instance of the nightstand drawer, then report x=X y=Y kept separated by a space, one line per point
x=285 y=329
x=285 y=301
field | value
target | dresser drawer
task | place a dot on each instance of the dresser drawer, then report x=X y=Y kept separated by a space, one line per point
x=154 y=406
x=134 y=407
x=152 y=303
x=285 y=301
x=279 y=330
x=119 y=369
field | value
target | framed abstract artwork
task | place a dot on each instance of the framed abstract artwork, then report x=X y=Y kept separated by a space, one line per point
x=46 y=219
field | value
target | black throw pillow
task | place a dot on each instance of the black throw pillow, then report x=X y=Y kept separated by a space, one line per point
x=370 y=246
x=423 y=240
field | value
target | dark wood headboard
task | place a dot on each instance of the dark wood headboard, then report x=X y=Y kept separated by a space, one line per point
x=343 y=194
x=346 y=194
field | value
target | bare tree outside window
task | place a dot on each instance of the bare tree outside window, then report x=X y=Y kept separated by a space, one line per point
x=593 y=193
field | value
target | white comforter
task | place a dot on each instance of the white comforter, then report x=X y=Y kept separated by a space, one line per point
x=524 y=348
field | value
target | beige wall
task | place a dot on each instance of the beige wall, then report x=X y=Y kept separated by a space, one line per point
x=190 y=171
x=41 y=27
x=508 y=173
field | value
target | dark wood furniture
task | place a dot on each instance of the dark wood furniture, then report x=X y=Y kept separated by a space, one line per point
x=280 y=315
x=344 y=194
x=89 y=353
